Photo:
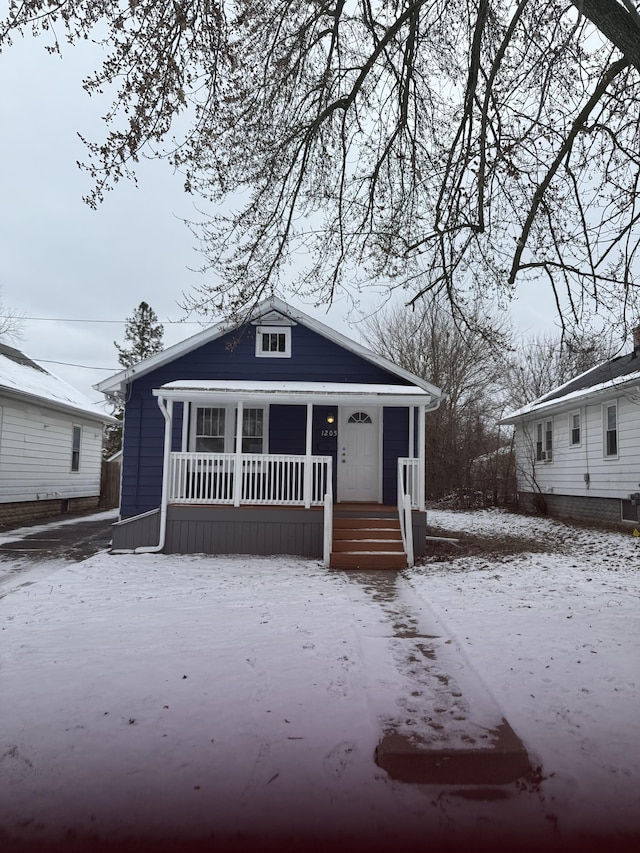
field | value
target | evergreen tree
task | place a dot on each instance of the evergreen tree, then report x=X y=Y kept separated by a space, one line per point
x=143 y=332
x=144 y=335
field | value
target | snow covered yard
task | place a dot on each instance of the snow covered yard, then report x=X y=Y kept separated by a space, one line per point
x=556 y=635
x=185 y=697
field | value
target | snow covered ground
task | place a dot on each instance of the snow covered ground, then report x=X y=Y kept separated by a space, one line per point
x=152 y=696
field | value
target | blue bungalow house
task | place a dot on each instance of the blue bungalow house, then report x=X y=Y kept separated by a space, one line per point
x=279 y=436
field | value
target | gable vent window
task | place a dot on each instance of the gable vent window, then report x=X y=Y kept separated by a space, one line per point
x=273 y=342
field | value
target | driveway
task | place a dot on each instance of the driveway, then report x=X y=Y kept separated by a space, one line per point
x=28 y=551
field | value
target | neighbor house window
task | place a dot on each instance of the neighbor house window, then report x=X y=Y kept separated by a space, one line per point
x=544 y=441
x=210 y=423
x=611 y=429
x=75 y=448
x=273 y=342
x=574 y=429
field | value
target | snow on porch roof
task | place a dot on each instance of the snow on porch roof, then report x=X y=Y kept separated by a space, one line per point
x=327 y=393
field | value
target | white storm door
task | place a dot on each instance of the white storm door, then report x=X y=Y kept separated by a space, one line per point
x=359 y=454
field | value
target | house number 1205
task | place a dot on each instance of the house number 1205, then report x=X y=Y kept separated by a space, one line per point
x=326 y=433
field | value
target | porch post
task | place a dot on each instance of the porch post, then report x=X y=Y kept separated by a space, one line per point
x=237 y=468
x=307 y=461
x=166 y=456
x=412 y=440
x=422 y=418
x=185 y=426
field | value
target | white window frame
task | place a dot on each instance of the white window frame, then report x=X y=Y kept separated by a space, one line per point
x=576 y=413
x=197 y=435
x=611 y=404
x=265 y=427
x=229 y=426
x=285 y=331
x=76 y=462
x=544 y=446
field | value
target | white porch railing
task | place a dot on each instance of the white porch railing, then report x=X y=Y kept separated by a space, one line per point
x=408 y=497
x=276 y=479
x=409 y=480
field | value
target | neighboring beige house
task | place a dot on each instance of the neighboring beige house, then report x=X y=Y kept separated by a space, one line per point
x=50 y=442
x=578 y=447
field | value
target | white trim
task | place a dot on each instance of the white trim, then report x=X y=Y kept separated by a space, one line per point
x=237 y=490
x=117 y=383
x=412 y=440
x=186 y=411
x=308 y=453
x=422 y=487
x=298 y=393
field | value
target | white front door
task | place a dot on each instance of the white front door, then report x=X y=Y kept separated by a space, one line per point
x=359 y=454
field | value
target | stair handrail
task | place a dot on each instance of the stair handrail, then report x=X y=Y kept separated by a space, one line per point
x=404 y=514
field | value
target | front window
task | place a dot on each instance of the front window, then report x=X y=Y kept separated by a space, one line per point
x=252 y=430
x=75 y=448
x=210 y=424
x=215 y=430
x=611 y=429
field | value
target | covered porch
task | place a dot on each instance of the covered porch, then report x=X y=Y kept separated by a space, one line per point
x=227 y=473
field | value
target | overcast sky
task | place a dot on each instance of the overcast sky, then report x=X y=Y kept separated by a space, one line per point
x=63 y=261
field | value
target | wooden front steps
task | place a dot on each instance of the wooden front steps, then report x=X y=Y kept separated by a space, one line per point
x=367 y=542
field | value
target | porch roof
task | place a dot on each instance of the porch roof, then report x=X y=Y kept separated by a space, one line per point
x=297 y=393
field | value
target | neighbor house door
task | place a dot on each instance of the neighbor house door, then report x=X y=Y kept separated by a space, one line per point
x=359 y=454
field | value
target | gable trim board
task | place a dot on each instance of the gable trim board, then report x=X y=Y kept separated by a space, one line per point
x=269 y=309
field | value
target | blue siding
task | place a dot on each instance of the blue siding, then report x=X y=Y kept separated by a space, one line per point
x=287 y=429
x=314 y=359
x=395 y=443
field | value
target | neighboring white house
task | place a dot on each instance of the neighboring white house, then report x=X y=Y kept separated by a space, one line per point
x=578 y=447
x=50 y=442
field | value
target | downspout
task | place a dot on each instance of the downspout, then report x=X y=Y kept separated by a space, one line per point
x=421 y=456
x=167 y=413
x=422 y=436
